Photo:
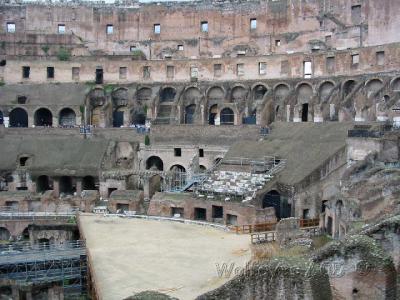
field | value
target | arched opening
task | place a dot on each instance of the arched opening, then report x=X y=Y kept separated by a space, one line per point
x=43 y=117
x=66 y=186
x=396 y=85
x=348 y=87
x=167 y=95
x=281 y=91
x=88 y=183
x=67 y=117
x=178 y=178
x=18 y=118
x=373 y=86
x=212 y=114
x=325 y=91
x=238 y=94
x=120 y=97
x=143 y=95
x=273 y=199
x=4 y=234
x=25 y=234
x=227 y=116
x=202 y=168
x=304 y=93
x=215 y=95
x=259 y=91
x=1 y=118
x=189 y=113
x=139 y=117
x=43 y=184
x=155 y=184
x=324 y=206
x=118 y=117
x=154 y=163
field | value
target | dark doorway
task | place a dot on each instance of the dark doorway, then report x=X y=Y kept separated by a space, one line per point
x=154 y=163
x=88 y=183
x=4 y=234
x=67 y=117
x=18 y=118
x=274 y=199
x=122 y=207
x=306 y=214
x=231 y=219
x=1 y=118
x=167 y=95
x=118 y=118
x=110 y=190
x=42 y=184
x=200 y=214
x=217 y=212
x=99 y=76
x=329 y=226
x=227 y=116
x=139 y=117
x=213 y=113
x=189 y=114
x=66 y=186
x=175 y=211
x=43 y=117
x=304 y=112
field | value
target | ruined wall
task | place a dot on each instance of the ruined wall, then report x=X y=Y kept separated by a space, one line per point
x=299 y=26
x=280 y=278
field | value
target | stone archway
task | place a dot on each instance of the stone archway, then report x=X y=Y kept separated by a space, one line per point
x=43 y=117
x=67 y=117
x=18 y=118
x=227 y=116
x=154 y=163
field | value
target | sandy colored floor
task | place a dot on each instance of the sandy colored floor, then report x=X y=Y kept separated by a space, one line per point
x=130 y=255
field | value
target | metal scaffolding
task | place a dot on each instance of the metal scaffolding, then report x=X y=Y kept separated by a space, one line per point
x=64 y=264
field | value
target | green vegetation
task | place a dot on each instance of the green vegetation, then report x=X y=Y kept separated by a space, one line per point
x=137 y=53
x=2 y=83
x=46 y=49
x=147 y=140
x=64 y=54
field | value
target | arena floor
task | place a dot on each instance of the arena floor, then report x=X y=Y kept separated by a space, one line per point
x=131 y=255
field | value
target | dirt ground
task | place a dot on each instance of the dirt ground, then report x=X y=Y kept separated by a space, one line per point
x=131 y=255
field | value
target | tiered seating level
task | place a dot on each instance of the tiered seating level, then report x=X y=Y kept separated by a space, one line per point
x=239 y=184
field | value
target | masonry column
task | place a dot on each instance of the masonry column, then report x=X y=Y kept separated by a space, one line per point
x=78 y=185
x=56 y=186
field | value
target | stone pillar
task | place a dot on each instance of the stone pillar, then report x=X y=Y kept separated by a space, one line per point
x=287 y=113
x=56 y=187
x=31 y=120
x=126 y=118
x=78 y=185
x=146 y=188
x=332 y=111
x=55 y=121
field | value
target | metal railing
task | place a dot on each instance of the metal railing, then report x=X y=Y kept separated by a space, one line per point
x=24 y=248
x=263 y=227
x=10 y=213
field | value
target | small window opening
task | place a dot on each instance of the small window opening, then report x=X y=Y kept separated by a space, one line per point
x=253 y=24
x=26 y=72
x=157 y=28
x=110 y=29
x=50 y=72
x=177 y=152
x=204 y=26
x=201 y=152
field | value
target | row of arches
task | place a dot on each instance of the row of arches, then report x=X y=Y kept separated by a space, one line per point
x=18 y=117
x=67 y=184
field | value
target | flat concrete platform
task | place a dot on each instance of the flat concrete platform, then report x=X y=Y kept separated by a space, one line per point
x=132 y=255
